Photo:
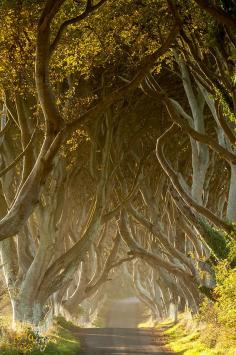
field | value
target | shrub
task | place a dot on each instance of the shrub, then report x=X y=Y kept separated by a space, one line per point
x=22 y=340
x=219 y=317
x=25 y=340
x=213 y=331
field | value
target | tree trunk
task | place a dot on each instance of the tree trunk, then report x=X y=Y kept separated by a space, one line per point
x=173 y=312
x=27 y=312
x=231 y=207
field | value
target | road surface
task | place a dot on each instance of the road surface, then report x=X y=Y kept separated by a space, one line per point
x=120 y=341
x=121 y=335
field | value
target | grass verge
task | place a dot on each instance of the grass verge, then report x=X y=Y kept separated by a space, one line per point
x=59 y=340
x=189 y=337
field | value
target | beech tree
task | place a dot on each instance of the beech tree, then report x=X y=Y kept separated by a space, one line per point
x=55 y=128
x=112 y=136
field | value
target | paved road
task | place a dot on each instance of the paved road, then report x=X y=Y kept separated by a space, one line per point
x=125 y=313
x=119 y=341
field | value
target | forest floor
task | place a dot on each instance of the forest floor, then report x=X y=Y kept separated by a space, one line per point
x=120 y=341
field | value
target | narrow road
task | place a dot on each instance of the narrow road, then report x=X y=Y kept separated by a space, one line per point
x=119 y=341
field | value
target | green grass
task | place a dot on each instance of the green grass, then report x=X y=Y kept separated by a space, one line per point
x=146 y=324
x=23 y=341
x=62 y=340
x=185 y=338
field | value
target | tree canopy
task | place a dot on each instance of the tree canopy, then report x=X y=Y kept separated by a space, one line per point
x=117 y=152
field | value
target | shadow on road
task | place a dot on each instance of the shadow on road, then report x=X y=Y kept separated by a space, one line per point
x=114 y=341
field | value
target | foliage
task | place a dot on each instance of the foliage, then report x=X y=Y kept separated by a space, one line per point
x=62 y=340
x=213 y=331
x=62 y=322
x=217 y=241
x=24 y=340
x=123 y=29
x=94 y=57
x=98 y=322
x=226 y=295
x=186 y=341
x=232 y=254
x=17 y=45
x=116 y=38
x=220 y=316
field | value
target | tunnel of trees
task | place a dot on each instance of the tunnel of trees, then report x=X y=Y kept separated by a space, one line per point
x=118 y=152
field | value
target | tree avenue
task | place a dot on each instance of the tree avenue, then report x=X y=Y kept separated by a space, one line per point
x=118 y=154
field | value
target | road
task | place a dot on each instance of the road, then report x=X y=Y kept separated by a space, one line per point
x=120 y=341
x=121 y=335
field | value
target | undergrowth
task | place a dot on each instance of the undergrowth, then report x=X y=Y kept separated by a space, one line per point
x=24 y=340
x=213 y=330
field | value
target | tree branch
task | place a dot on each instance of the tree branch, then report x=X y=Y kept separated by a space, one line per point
x=118 y=94
x=219 y=15
x=176 y=112
x=21 y=155
x=88 y=10
x=6 y=127
x=174 y=179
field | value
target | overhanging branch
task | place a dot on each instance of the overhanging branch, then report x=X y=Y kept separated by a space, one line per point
x=88 y=10
x=219 y=14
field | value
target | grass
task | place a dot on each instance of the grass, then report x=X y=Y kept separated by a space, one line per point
x=186 y=337
x=147 y=324
x=59 y=339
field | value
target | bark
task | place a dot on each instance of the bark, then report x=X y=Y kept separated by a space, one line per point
x=194 y=134
x=151 y=258
x=87 y=288
x=231 y=206
x=25 y=138
x=144 y=297
x=64 y=267
x=27 y=312
x=217 y=13
x=159 y=234
x=56 y=132
x=174 y=179
x=200 y=153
